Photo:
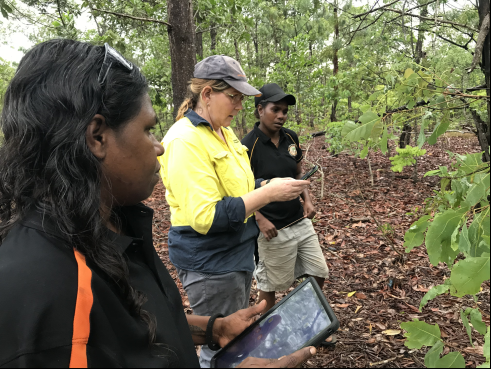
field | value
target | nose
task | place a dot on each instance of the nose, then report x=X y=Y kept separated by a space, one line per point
x=239 y=106
x=282 y=116
x=159 y=149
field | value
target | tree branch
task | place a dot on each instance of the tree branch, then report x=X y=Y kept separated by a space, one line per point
x=133 y=17
x=477 y=88
x=385 y=7
x=374 y=10
x=484 y=31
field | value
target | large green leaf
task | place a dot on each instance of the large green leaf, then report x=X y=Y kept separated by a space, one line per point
x=467 y=275
x=452 y=360
x=479 y=189
x=480 y=227
x=438 y=239
x=440 y=129
x=370 y=126
x=420 y=334
x=472 y=163
x=464 y=242
x=476 y=321
x=384 y=142
x=415 y=234
x=432 y=293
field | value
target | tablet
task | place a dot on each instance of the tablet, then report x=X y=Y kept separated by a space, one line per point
x=303 y=318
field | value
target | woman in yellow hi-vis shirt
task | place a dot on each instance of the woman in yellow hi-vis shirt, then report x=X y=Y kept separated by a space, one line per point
x=211 y=193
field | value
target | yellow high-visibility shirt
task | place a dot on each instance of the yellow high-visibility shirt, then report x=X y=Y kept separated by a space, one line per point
x=199 y=170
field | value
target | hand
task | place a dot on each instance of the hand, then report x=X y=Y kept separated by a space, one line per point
x=266 y=227
x=293 y=360
x=309 y=211
x=226 y=329
x=286 y=189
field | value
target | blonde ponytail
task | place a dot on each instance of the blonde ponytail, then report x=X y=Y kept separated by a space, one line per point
x=195 y=88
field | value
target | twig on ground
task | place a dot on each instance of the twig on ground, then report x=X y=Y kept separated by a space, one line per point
x=386 y=361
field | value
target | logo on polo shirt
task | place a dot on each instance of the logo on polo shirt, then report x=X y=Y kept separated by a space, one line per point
x=293 y=150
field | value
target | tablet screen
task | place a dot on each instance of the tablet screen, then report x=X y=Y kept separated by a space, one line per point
x=285 y=330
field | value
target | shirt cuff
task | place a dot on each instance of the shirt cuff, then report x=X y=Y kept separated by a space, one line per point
x=258 y=182
x=230 y=214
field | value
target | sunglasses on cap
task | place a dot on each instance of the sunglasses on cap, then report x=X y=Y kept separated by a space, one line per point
x=111 y=56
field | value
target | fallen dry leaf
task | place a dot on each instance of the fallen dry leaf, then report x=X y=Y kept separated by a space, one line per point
x=360 y=296
x=392 y=332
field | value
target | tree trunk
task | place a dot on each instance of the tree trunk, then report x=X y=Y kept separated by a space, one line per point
x=199 y=38
x=182 y=48
x=213 y=37
x=483 y=10
x=333 y=116
x=419 y=53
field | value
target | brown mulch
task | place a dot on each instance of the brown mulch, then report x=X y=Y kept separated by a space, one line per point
x=388 y=288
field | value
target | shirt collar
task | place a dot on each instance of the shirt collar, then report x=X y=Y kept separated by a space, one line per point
x=137 y=219
x=263 y=137
x=195 y=119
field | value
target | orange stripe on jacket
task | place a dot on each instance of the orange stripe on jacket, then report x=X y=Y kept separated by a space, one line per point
x=81 y=319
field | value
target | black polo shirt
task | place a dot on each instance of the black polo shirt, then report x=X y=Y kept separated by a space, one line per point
x=268 y=161
x=58 y=309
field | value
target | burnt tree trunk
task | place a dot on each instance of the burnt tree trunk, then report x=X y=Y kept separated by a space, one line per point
x=182 y=48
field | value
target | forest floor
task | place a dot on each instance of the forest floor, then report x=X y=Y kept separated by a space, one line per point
x=387 y=290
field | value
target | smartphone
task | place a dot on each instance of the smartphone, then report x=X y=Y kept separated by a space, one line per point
x=310 y=173
x=303 y=318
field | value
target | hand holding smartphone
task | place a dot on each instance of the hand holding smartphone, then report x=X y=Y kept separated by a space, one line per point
x=310 y=173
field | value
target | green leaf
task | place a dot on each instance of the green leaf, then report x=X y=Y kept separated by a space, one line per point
x=478 y=189
x=364 y=152
x=433 y=355
x=476 y=320
x=421 y=140
x=464 y=319
x=464 y=243
x=472 y=163
x=415 y=234
x=420 y=334
x=451 y=360
x=433 y=293
x=440 y=129
x=467 y=275
x=408 y=73
x=486 y=345
x=480 y=227
x=370 y=126
x=438 y=239
x=432 y=173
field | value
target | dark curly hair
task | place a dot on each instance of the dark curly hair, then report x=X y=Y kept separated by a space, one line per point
x=44 y=160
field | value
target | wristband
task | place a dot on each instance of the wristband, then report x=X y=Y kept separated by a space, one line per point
x=209 y=337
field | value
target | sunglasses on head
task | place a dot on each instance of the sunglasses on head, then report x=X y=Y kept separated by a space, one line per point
x=112 y=56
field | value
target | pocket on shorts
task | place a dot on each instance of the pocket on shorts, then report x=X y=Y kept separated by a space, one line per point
x=260 y=272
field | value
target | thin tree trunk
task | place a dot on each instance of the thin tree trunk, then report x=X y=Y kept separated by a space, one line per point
x=333 y=116
x=213 y=37
x=182 y=48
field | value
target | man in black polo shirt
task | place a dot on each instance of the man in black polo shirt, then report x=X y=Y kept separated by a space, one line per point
x=288 y=246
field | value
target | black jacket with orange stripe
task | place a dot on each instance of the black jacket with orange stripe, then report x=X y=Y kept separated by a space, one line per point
x=59 y=310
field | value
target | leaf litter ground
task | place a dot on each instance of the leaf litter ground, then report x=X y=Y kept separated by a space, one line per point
x=369 y=288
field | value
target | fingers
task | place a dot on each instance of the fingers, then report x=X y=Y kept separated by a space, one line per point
x=295 y=359
x=255 y=310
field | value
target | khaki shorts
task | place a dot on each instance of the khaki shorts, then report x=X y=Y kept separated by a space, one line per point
x=292 y=254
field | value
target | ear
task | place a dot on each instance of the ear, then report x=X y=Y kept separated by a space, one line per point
x=260 y=109
x=96 y=136
x=205 y=94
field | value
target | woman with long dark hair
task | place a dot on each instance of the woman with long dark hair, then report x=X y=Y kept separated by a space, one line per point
x=80 y=282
